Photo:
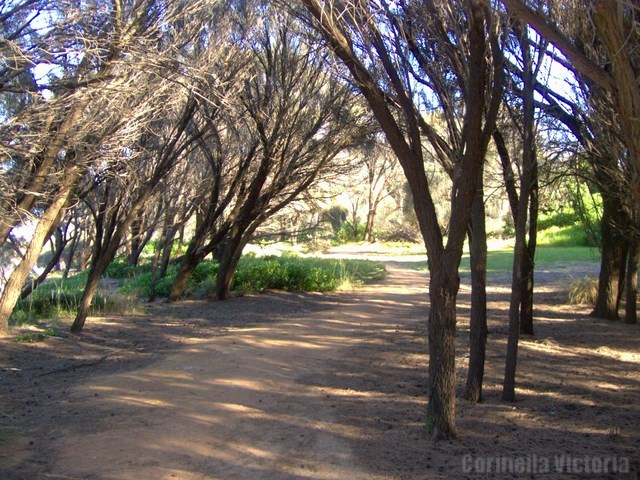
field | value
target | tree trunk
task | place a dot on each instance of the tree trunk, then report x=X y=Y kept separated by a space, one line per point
x=135 y=246
x=167 y=246
x=631 y=308
x=528 y=266
x=86 y=252
x=188 y=265
x=91 y=287
x=441 y=409
x=55 y=259
x=478 y=323
x=154 y=274
x=49 y=220
x=508 y=388
x=368 y=229
x=372 y=203
x=228 y=262
x=520 y=254
x=526 y=296
x=612 y=264
x=71 y=253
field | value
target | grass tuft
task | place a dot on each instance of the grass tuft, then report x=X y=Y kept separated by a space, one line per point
x=583 y=291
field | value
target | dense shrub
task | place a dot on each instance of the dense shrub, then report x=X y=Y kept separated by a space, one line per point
x=288 y=272
x=62 y=297
x=120 y=269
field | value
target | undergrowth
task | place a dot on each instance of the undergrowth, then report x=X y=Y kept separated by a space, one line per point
x=56 y=298
x=255 y=274
x=61 y=297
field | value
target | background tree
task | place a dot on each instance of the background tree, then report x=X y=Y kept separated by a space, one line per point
x=615 y=25
x=293 y=117
x=96 y=63
x=598 y=121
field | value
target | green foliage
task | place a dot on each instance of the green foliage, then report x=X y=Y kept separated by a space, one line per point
x=336 y=215
x=570 y=236
x=120 y=269
x=62 y=297
x=565 y=218
x=573 y=219
x=34 y=337
x=140 y=284
x=308 y=274
x=287 y=272
x=349 y=233
x=583 y=291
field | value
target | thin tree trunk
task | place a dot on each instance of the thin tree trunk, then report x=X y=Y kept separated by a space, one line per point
x=631 y=307
x=55 y=259
x=368 y=229
x=101 y=260
x=86 y=252
x=528 y=267
x=91 y=287
x=519 y=258
x=154 y=273
x=478 y=323
x=167 y=247
x=134 y=244
x=522 y=282
x=71 y=253
x=508 y=388
x=372 y=204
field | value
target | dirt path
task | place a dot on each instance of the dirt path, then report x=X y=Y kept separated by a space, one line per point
x=229 y=407
x=309 y=386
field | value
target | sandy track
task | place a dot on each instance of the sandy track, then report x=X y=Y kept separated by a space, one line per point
x=310 y=386
x=229 y=407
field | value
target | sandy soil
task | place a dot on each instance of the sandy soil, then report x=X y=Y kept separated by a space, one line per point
x=309 y=386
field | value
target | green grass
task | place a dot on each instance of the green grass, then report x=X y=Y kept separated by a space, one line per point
x=564 y=236
x=58 y=297
x=308 y=274
x=502 y=260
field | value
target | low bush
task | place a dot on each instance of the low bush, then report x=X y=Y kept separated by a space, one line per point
x=120 y=269
x=308 y=274
x=62 y=297
x=583 y=292
x=34 y=337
